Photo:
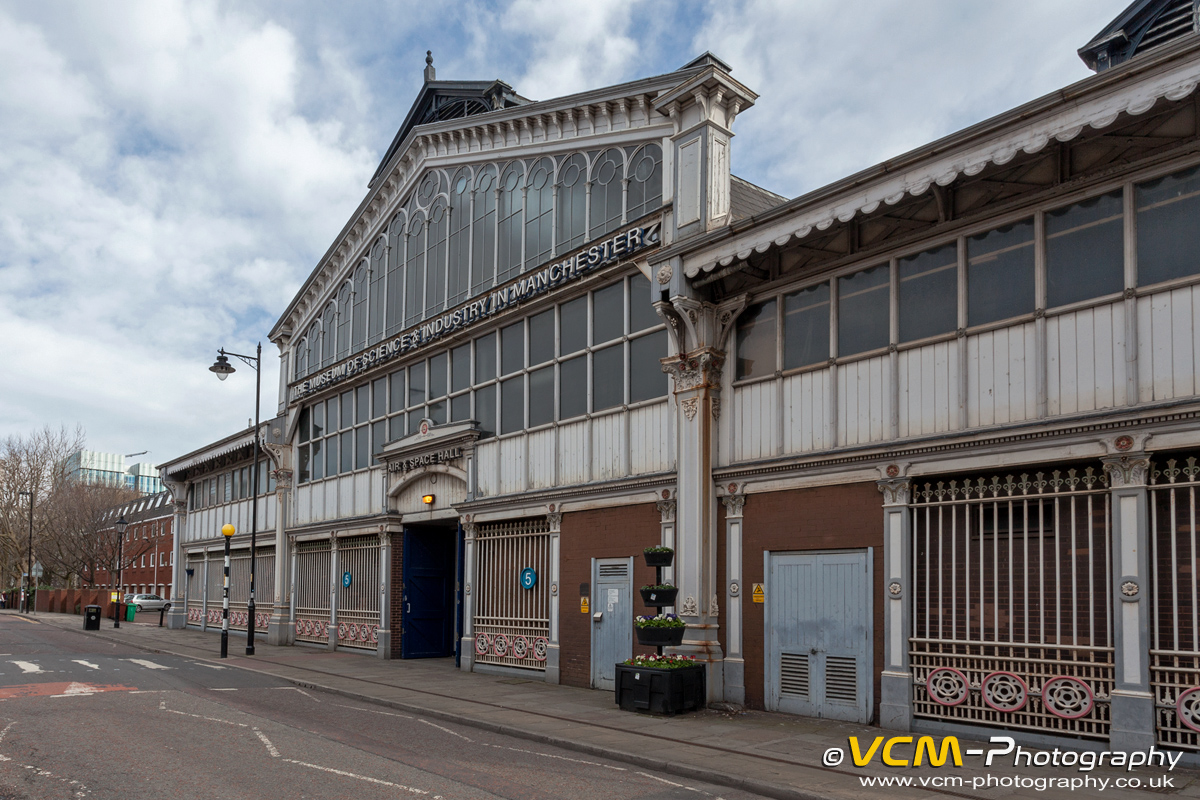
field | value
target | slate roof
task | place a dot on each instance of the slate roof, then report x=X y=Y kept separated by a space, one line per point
x=746 y=199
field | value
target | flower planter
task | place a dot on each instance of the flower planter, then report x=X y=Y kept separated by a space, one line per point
x=660 y=691
x=659 y=597
x=658 y=559
x=660 y=637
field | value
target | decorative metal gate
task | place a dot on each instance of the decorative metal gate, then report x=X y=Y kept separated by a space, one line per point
x=312 y=617
x=1175 y=648
x=1011 y=599
x=358 y=602
x=512 y=623
x=195 y=588
x=216 y=579
x=239 y=589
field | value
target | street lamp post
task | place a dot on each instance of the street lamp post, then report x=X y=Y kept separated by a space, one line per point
x=29 y=571
x=121 y=525
x=227 y=531
x=223 y=370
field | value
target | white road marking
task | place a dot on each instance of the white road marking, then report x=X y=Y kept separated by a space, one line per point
x=560 y=758
x=162 y=706
x=150 y=691
x=210 y=666
x=83 y=790
x=369 y=710
x=87 y=664
x=445 y=730
x=28 y=667
x=141 y=662
x=306 y=694
x=345 y=774
x=77 y=689
x=211 y=689
x=663 y=780
x=270 y=747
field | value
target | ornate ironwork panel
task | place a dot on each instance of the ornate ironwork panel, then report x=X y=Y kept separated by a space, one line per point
x=358 y=603
x=512 y=623
x=312 y=616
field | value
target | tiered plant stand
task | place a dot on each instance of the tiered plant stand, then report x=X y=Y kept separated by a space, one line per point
x=656 y=689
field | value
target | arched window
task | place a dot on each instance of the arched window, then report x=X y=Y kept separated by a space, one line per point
x=327 y=333
x=358 y=325
x=435 y=258
x=376 y=297
x=343 y=324
x=459 y=259
x=395 y=274
x=313 y=358
x=301 y=356
x=508 y=235
x=483 y=230
x=607 y=174
x=539 y=213
x=645 y=181
x=414 y=266
x=572 y=203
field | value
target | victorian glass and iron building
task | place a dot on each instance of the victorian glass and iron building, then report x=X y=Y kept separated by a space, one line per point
x=924 y=440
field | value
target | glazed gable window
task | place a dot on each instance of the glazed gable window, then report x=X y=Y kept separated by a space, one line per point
x=1168 y=210
x=1084 y=250
x=1000 y=279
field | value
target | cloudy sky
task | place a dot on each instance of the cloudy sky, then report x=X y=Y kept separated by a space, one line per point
x=170 y=172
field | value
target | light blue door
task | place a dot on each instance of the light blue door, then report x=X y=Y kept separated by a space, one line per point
x=612 y=618
x=818 y=631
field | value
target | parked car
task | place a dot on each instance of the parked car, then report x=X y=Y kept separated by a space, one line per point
x=148 y=602
x=129 y=597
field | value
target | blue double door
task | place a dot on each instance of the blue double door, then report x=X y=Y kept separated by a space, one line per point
x=430 y=592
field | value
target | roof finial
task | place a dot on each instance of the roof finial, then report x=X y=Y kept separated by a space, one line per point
x=430 y=72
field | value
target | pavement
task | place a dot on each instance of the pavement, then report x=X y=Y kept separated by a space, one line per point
x=772 y=754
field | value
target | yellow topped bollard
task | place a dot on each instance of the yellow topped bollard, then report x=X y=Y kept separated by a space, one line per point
x=227 y=530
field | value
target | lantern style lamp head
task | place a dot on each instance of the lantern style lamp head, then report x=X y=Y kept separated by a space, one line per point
x=427 y=499
x=222 y=367
x=227 y=530
x=121 y=525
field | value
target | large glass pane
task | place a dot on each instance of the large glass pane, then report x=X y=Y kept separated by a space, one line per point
x=572 y=388
x=641 y=309
x=646 y=377
x=379 y=399
x=414 y=419
x=541 y=396
x=363 y=398
x=512 y=348
x=608 y=317
x=318 y=420
x=863 y=318
x=572 y=326
x=460 y=407
x=396 y=427
x=541 y=337
x=378 y=437
x=512 y=404
x=1084 y=252
x=347 y=410
x=303 y=476
x=1000 y=274
x=929 y=293
x=331 y=455
x=437 y=412
x=756 y=341
x=1167 y=213
x=460 y=367
x=362 y=446
x=347 y=446
x=608 y=377
x=396 y=397
x=318 y=463
x=485 y=409
x=437 y=375
x=305 y=417
x=806 y=327
x=485 y=358
x=416 y=384
x=572 y=195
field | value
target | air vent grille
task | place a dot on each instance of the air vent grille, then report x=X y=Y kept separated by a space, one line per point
x=1175 y=20
x=841 y=679
x=793 y=675
x=614 y=570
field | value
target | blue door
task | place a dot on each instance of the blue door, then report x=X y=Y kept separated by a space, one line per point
x=427 y=594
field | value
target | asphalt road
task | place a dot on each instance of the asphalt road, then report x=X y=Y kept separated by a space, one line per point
x=82 y=717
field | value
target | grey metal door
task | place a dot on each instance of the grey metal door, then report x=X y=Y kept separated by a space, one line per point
x=818 y=630
x=612 y=618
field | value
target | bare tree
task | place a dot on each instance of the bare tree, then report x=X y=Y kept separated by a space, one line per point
x=81 y=539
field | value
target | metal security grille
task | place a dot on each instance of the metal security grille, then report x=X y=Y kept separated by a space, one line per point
x=312 y=617
x=512 y=624
x=358 y=603
x=239 y=588
x=794 y=675
x=195 y=589
x=1011 y=599
x=1175 y=647
x=216 y=578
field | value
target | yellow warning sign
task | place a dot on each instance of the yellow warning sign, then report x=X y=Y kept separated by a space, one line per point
x=583 y=605
x=758 y=593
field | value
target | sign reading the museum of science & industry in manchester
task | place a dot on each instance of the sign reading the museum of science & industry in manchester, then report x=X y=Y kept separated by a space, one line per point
x=530 y=285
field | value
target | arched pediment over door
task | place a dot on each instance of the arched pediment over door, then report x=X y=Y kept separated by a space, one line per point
x=436 y=461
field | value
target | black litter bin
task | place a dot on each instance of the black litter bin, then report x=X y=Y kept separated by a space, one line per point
x=91 y=618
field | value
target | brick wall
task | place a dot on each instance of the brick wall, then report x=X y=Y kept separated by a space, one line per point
x=396 y=595
x=603 y=533
x=824 y=518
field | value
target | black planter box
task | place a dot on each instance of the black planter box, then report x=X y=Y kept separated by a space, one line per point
x=658 y=559
x=659 y=597
x=660 y=691
x=660 y=637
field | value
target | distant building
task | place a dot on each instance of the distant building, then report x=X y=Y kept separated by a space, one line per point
x=109 y=469
x=146 y=555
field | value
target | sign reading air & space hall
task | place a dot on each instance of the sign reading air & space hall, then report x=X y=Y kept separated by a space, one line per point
x=610 y=251
x=426 y=459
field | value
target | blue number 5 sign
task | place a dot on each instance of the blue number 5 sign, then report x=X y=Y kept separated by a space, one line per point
x=528 y=578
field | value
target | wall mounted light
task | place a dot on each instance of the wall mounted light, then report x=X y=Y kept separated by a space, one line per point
x=427 y=499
